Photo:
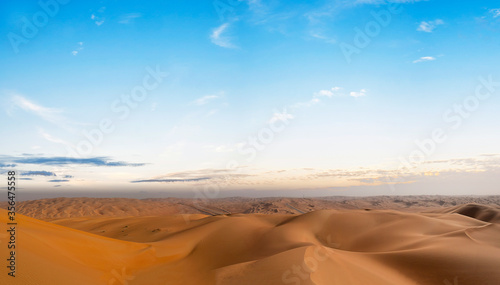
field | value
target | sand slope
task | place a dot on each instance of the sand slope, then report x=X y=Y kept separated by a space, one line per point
x=321 y=247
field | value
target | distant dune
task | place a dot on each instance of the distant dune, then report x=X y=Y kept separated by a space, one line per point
x=456 y=245
x=82 y=207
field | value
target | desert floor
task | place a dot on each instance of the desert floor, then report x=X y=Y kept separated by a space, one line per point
x=338 y=240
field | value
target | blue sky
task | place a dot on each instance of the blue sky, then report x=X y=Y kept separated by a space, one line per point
x=285 y=98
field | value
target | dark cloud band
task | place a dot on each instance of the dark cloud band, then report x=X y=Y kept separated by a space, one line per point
x=58 y=160
x=171 y=180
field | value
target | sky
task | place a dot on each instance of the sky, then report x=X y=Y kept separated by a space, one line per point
x=250 y=98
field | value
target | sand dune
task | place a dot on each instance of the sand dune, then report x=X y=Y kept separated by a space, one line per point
x=456 y=245
x=484 y=213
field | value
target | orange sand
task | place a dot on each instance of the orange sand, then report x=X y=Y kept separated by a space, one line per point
x=322 y=247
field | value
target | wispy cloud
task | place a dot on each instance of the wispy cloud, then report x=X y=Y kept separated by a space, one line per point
x=205 y=99
x=170 y=180
x=97 y=20
x=7 y=165
x=50 y=138
x=309 y=103
x=97 y=17
x=49 y=114
x=429 y=26
x=321 y=36
x=281 y=116
x=495 y=12
x=256 y=5
x=58 y=180
x=129 y=18
x=196 y=175
x=219 y=37
x=355 y=94
x=78 y=49
x=424 y=58
x=327 y=11
x=334 y=91
x=482 y=162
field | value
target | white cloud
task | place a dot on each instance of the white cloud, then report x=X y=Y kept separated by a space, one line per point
x=326 y=93
x=283 y=116
x=205 y=99
x=223 y=148
x=334 y=91
x=48 y=114
x=98 y=20
x=320 y=36
x=254 y=4
x=429 y=26
x=218 y=38
x=495 y=12
x=361 y=93
x=329 y=93
x=424 y=58
x=128 y=18
x=78 y=49
x=51 y=138
x=309 y=103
